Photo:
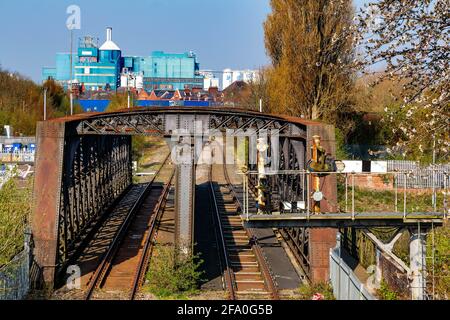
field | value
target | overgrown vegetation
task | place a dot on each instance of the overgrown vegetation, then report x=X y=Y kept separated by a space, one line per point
x=173 y=275
x=385 y=293
x=439 y=273
x=368 y=200
x=119 y=101
x=22 y=102
x=401 y=247
x=15 y=208
x=307 y=291
x=138 y=147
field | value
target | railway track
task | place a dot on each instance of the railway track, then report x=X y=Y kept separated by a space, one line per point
x=246 y=272
x=292 y=238
x=124 y=262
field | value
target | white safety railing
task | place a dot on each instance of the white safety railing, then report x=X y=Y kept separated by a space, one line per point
x=401 y=197
x=421 y=177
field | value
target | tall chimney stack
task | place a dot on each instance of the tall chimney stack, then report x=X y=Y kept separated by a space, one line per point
x=109 y=34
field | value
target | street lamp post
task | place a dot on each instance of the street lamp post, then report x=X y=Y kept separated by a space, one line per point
x=128 y=91
x=71 y=102
x=45 y=104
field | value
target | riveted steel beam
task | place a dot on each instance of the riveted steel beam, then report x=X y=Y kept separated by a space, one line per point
x=148 y=122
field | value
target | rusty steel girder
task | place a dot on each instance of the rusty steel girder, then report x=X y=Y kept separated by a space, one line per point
x=310 y=246
x=96 y=170
x=83 y=165
x=164 y=121
x=76 y=179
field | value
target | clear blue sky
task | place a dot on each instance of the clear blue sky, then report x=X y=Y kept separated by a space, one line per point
x=223 y=33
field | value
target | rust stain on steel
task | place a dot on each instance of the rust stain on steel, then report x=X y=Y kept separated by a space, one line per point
x=47 y=187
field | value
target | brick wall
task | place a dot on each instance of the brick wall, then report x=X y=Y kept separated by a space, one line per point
x=373 y=182
x=322 y=240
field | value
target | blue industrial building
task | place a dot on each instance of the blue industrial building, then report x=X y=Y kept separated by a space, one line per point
x=103 y=68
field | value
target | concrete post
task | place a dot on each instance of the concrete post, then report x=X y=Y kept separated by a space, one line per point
x=417 y=254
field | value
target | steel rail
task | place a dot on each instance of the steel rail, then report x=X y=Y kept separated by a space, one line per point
x=299 y=255
x=229 y=275
x=105 y=264
x=148 y=242
x=268 y=279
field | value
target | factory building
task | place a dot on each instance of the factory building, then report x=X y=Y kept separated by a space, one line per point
x=224 y=79
x=105 y=68
x=231 y=76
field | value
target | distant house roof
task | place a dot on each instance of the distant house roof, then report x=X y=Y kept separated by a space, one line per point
x=167 y=95
x=143 y=95
x=236 y=86
x=185 y=95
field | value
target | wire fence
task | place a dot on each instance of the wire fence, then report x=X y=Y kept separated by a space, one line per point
x=15 y=277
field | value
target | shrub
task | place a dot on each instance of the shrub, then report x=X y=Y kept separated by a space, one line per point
x=385 y=293
x=308 y=291
x=173 y=274
x=441 y=274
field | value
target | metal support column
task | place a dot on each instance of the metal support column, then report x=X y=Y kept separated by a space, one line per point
x=184 y=198
x=417 y=254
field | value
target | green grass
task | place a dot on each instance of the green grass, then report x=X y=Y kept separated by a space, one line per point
x=15 y=208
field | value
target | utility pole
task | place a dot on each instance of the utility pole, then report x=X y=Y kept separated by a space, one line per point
x=45 y=104
x=71 y=102
x=71 y=72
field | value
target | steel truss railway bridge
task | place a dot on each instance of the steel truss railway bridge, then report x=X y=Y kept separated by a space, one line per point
x=84 y=165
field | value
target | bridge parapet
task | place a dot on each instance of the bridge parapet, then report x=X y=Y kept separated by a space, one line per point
x=76 y=179
x=83 y=164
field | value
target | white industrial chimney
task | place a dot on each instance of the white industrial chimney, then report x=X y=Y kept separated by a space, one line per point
x=109 y=34
x=109 y=44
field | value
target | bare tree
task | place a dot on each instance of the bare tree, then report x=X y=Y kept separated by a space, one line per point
x=311 y=47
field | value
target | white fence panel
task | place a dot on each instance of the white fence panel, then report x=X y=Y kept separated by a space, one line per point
x=346 y=286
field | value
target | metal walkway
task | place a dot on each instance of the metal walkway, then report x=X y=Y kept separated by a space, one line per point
x=343 y=220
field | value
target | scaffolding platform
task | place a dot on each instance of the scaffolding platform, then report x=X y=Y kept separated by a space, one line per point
x=343 y=220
